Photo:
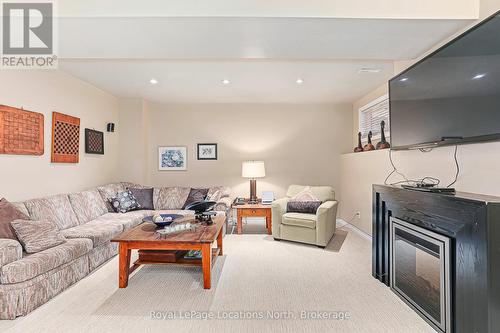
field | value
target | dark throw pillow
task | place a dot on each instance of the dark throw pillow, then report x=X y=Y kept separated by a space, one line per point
x=195 y=195
x=144 y=197
x=124 y=202
x=306 y=207
x=36 y=236
x=9 y=213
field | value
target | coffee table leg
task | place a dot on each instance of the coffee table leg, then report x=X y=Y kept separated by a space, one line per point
x=206 y=264
x=219 y=243
x=124 y=263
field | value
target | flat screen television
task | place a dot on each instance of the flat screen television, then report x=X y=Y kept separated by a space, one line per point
x=453 y=95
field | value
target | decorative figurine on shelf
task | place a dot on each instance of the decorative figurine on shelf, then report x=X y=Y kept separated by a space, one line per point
x=369 y=145
x=359 y=148
x=383 y=144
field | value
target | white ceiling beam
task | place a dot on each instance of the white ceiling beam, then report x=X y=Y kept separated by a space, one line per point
x=397 y=9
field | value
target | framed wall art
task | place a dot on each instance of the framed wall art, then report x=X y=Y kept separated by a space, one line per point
x=172 y=158
x=94 y=142
x=207 y=151
x=21 y=131
x=65 y=138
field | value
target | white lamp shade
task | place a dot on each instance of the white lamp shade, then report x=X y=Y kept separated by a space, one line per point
x=253 y=169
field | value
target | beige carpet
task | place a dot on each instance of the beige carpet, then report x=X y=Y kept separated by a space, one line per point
x=256 y=275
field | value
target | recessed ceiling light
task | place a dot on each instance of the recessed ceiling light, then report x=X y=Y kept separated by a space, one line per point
x=299 y=81
x=153 y=81
x=404 y=79
x=226 y=81
x=369 y=70
x=479 y=76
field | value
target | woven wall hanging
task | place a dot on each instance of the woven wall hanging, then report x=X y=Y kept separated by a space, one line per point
x=21 y=131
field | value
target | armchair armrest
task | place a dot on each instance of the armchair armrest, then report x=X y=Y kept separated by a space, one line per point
x=326 y=222
x=10 y=251
x=278 y=208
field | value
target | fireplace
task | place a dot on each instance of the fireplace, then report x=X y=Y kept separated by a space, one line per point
x=440 y=254
x=420 y=271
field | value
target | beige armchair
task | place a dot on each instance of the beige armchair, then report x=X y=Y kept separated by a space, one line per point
x=315 y=229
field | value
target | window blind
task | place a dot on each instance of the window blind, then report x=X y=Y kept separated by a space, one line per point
x=372 y=114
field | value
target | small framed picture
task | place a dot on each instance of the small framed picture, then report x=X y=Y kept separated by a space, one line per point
x=172 y=158
x=207 y=151
x=94 y=142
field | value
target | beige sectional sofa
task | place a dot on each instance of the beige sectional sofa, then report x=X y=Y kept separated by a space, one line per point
x=85 y=219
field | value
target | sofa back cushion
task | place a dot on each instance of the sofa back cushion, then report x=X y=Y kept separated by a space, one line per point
x=323 y=193
x=87 y=205
x=9 y=213
x=215 y=193
x=165 y=198
x=56 y=208
x=110 y=191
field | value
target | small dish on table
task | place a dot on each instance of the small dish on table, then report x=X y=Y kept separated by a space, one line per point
x=162 y=220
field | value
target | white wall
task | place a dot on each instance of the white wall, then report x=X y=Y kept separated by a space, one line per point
x=25 y=177
x=299 y=143
x=478 y=162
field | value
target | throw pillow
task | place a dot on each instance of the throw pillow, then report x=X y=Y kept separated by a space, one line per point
x=195 y=195
x=124 y=202
x=305 y=195
x=36 y=236
x=305 y=207
x=144 y=197
x=9 y=213
x=215 y=196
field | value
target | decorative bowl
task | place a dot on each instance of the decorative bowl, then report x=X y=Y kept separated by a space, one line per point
x=163 y=223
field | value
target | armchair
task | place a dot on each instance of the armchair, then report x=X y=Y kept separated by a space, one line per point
x=316 y=229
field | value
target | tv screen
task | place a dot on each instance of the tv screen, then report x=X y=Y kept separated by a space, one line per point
x=453 y=95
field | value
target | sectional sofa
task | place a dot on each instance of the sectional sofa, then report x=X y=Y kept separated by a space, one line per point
x=88 y=224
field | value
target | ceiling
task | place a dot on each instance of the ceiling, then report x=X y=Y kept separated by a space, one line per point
x=262 y=57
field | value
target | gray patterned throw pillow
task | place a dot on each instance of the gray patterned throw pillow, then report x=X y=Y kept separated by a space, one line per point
x=305 y=207
x=124 y=202
x=36 y=236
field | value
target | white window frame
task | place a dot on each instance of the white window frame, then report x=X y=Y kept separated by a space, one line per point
x=364 y=108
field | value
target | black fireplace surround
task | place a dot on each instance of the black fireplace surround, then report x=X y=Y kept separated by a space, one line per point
x=420 y=237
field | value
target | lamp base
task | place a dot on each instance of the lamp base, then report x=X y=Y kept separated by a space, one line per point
x=253 y=191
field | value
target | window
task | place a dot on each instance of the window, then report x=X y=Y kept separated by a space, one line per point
x=372 y=114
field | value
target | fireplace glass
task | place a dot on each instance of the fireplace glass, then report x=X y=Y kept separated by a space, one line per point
x=420 y=271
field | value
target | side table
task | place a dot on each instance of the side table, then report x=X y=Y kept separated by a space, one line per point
x=253 y=210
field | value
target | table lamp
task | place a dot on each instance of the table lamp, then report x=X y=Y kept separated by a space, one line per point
x=253 y=170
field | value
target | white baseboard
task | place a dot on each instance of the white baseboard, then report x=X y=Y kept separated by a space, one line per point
x=343 y=224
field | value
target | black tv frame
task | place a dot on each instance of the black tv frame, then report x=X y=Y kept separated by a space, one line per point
x=444 y=141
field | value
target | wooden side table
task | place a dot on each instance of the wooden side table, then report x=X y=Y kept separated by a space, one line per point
x=253 y=210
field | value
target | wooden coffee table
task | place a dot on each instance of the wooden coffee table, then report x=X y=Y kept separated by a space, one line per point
x=170 y=249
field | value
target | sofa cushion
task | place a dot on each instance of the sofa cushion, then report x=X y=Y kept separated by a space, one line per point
x=323 y=193
x=215 y=193
x=21 y=207
x=300 y=220
x=9 y=213
x=144 y=197
x=195 y=195
x=98 y=232
x=56 y=208
x=110 y=191
x=127 y=220
x=36 y=236
x=35 y=264
x=170 y=197
x=87 y=205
